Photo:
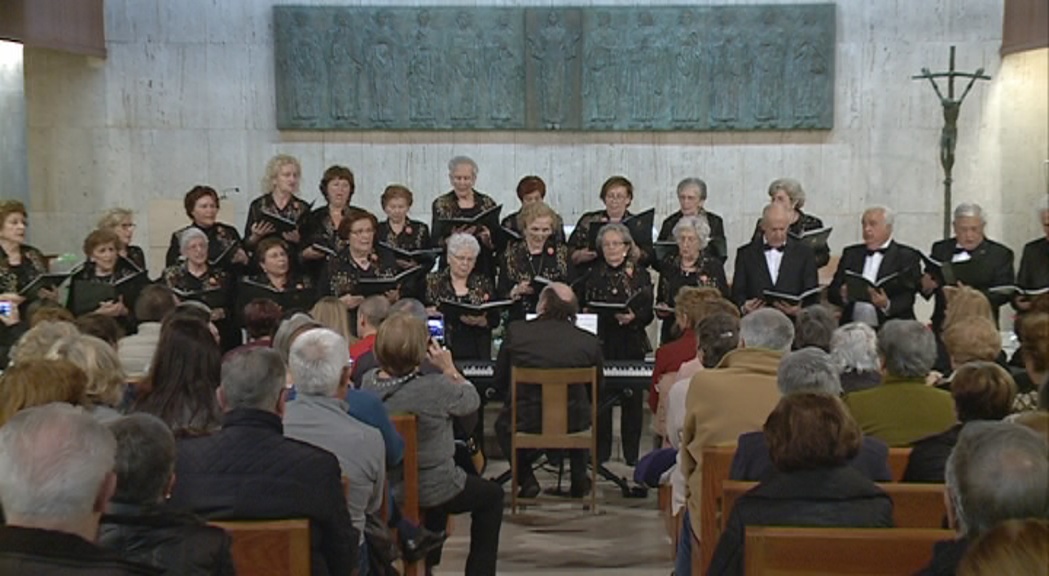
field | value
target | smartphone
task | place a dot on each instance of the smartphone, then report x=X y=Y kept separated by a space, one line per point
x=436 y=327
x=5 y=308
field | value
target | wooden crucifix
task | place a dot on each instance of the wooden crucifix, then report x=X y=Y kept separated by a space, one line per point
x=949 y=135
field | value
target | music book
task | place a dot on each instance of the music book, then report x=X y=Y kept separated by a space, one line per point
x=617 y=307
x=131 y=263
x=425 y=254
x=857 y=285
x=951 y=273
x=1008 y=289
x=89 y=295
x=639 y=225
x=663 y=308
x=375 y=286
x=287 y=299
x=212 y=297
x=718 y=247
x=225 y=256
x=279 y=222
x=511 y=234
x=664 y=250
x=453 y=309
x=772 y=296
x=324 y=249
x=813 y=238
x=48 y=280
x=488 y=218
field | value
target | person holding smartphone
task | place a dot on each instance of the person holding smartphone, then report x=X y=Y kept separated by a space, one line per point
x=20 y=264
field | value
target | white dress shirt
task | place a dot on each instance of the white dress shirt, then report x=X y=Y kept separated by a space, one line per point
x=865 y=311
x=773 y=258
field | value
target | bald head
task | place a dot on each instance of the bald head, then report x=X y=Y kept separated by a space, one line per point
x=775 y=220
x=557 y=301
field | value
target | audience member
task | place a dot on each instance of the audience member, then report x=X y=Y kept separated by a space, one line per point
x=981 y=390
x=136 y=351
x=971 y=339
x=249 y=470
x=180 y=386
x=810 y=438
x=56 y=475
x=330 y=312
x=724 y=403
x=138 y=525
x=806 y=371
x=1035 y=352
x=903 y=408
x=814 y=327
x=106 y=382
x=962 y=302
x=370 y=315
x=290 y=329
x=38 y=340
x=854 y=350
x=366 y=362
x=39 y=381
x=401 y=345
x=261 y=318
x=50 y=311
x=1012 y=547
x=688 y=306
x=105 y=328
x=996 y=472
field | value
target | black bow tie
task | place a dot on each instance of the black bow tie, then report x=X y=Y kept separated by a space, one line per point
x=776 y=248
x=960 y=250
x=876 y=251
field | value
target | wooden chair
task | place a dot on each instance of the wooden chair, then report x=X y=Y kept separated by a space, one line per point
x=408 y=427
x=269 y=547
x=898 y=458
x=776 y=551
x=717 y=461
x=913 y=505
x=554 y=384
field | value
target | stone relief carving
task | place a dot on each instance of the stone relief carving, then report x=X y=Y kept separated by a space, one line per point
x=748 y=67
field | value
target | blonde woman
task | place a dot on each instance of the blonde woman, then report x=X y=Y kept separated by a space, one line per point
x=331 y=313
x=121 y=221
x=106 y=381
x=279 y=203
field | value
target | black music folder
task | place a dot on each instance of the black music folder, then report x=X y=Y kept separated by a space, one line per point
x=281 y=223
x=288 y=299
x=488 y=218
x=718 y=247
x=422 y=256
x=47 y=280
x=599 y=306
x=511 y=235
x=382 y=285
x=857 y=285
x=324 y=249
x=1009 y=289
x=664 y=250
x=212 y=297
x=951 y=273
x=772 y=296
x=453 y=309
x=226 y=255
x=639 y=225
x=813 y=238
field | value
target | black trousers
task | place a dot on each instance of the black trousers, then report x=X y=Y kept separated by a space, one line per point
x=630 y=417
x=577 y=459
x=483 y=499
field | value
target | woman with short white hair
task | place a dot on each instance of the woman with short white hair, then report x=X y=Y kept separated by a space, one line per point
x=787 y=192
x=463 y=201
x=692 y=265
x=468 y=336
x=854 y=350
x=196 y=279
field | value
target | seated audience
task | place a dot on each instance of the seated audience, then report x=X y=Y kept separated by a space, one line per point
x=56 y=475
x=180 y=386
x=982 y=391
x=806 y=371
x=996 y=472
x=1035 y=352
x=102 y=327
x=903 y=408
x=370 y=314
x=724 y=403
x=106 y=382
x=854 y=350
x=814 y=327
x=972 y=339
x=49 y=311
x=401 y=345
x=261 y=318
x=962 y=302
x=138 y=525
x=289 y=329
x=136 y=351
x=39 y=381
x=1012 y=547
x=330 y=312
x=366 y=362
x=248 y=470
x=811 y=438
x=38 y=340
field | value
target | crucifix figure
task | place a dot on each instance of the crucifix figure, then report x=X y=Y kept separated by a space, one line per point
x=949 y=135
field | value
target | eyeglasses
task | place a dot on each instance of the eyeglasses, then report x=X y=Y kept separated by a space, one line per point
x=364 y=232
x=614 y=243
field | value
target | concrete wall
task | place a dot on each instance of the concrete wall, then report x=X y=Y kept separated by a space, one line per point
x=187 y=96
x=13 y=154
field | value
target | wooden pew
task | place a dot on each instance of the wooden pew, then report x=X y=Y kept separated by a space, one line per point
x=776 y=551
x=407 y=426
x=717 y=461
x=913 y=505
x=269 y=547
x=898 y=458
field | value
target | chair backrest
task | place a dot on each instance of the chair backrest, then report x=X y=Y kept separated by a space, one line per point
x=913 y=505
x=408 y=427
x=554 y=384
x=269 y=547
x=717 y=461
x=777 y=551
x=898 y=458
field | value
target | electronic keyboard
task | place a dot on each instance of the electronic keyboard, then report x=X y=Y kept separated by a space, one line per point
x=623 y=376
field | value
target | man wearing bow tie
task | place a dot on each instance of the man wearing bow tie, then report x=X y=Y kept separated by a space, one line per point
x=995 y=261
x=775 y=262
x=877 y=258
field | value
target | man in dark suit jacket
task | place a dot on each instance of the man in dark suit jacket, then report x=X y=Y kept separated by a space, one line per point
x=1034 y=265
x=550 y=341
x=250 y=471
x=774 y=262
x=692 y=195
x=969 y=243
x=876 y=258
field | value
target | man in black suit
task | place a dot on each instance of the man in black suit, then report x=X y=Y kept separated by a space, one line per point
x=774 y=262
x=250 y=471
x=691 y=196
x=551 y=340
x=994 y=262
x=1034 y=265
x=878 y=257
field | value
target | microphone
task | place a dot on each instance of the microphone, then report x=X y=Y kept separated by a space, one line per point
x=225 y=192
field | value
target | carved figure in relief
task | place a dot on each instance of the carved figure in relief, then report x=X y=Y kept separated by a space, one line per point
x=809 y=63
x=645 y=86
x=465 y=68
x=345 y=71
x=382 y=70
x=729 y=73
x=686 y=84
x=422 y=72
x=554 y=49
x=306 y=70
x=768 y=71
x=502 y=70
x=602 y=72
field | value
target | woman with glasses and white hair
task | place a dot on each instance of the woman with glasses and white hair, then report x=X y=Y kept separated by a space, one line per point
x=225 y=249
x=468 y=336
x=195 y=278
x=620 y=292
x=692 y=265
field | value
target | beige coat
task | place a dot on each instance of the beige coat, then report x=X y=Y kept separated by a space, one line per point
x=722 y=403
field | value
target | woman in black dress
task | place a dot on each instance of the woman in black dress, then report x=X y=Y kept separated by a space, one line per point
x=468 y=336
x=105 y=266
x=20 y=264
x=529 y=189
x=617 y=279
x=224 y=244
x=538 y=254
x=356 y=261
x=320 y=228
x=617 y=193
x=788 y=193
x=691 y=197
x=121 y=221
x=463 y=201
x=401 y=232
x=276 y=281
x=280 y=189
x=196 y=279
x=692 y=265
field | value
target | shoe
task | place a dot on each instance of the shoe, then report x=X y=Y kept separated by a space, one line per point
x=415 y=549
x=530 y=489
x=580 y=488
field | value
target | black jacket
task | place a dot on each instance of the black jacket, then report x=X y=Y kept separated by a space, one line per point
x=996 y=269
x=898 y=258
x=753 y=463
x=35 y=552
x=828 y=497
x=250 y=471
x=717 y=231
x=179 y=543
x=946 y=556
x=928 y=459
x=1034 y=265
x=797 y=272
